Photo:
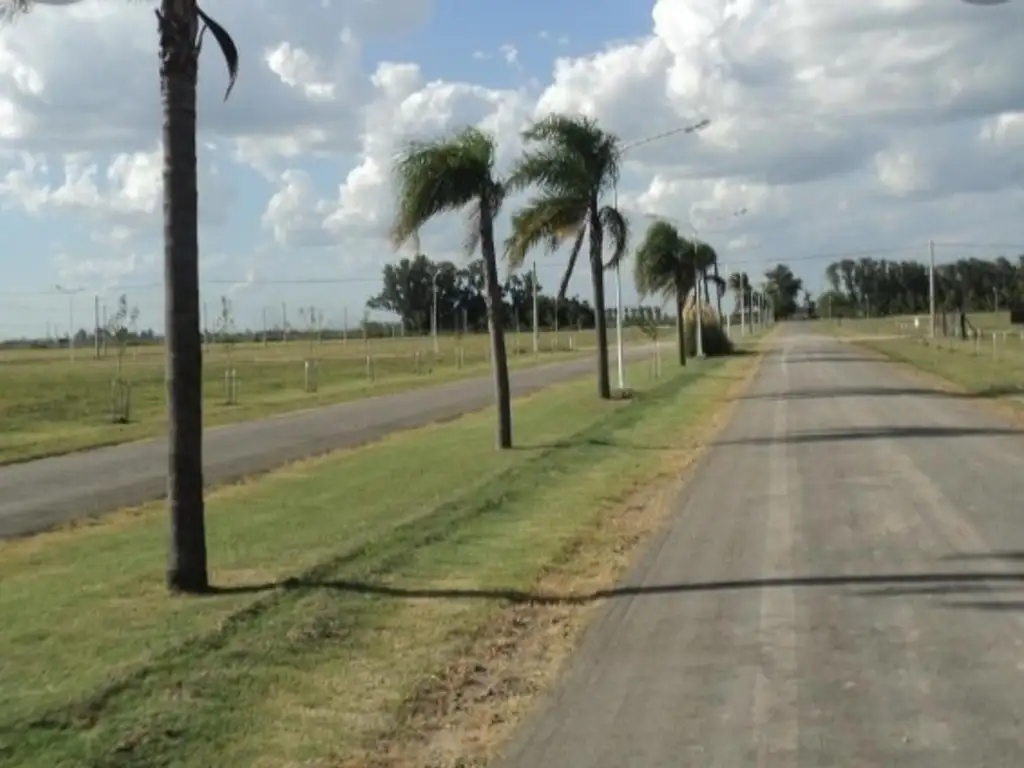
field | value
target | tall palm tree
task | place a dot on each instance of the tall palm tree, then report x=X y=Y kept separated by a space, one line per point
x=181 y=25
x=573 y=163
x=706 y=259
x=665 y=263
x=739 y=284
x=450 y=174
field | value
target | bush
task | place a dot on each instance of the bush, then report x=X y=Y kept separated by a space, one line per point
x=716 y=342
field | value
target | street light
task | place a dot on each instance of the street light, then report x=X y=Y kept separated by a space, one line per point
x=700 y=125
x=70 y=293
x=433 y=310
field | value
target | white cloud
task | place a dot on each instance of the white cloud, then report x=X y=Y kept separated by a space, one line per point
x=837 y=126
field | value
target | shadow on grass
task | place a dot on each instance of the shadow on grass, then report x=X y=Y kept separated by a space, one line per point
x=888 y=585
x=594 y=443
x=853 y=434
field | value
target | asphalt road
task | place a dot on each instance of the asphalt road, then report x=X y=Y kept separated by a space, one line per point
x=842 y=586
x=40 y=494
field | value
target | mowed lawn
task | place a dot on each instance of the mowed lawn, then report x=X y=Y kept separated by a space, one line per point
x=50 y=405
x=347 y=585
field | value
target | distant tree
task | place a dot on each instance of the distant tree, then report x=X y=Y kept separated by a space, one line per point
x=783 y=288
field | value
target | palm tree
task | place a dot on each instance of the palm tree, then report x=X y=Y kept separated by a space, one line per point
x=181 y=25
x=449 y=174
x=665 y=263
x=573 y=163
x=706 y=259
x=739 y=283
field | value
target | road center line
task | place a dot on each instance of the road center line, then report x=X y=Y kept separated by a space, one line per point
x=776 y=715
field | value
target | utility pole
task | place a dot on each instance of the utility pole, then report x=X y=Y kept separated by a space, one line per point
x=96 y=325
x=931 y=287
x=264 y=326
x=104 y=348
x=284 y=321
x=70 y=293
x=344 y=326
x=743 y=304
x=619 y=355
x=697 y=299
x=433 y=311
x=536 y=314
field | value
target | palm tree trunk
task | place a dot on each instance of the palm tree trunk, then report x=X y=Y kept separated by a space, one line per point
x=604 y=386
x=496 y=328
x=186 y=561
x=718 y=290
x=681 y=326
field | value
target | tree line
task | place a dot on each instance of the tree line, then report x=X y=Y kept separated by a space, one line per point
x=879 y=287
x=408 y=292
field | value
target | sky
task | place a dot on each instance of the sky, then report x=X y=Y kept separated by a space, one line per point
x=839 y=128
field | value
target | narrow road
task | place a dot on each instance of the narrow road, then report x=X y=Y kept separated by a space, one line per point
x=40 y=494
x=842 y=586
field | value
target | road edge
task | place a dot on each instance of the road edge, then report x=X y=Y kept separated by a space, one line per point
x=541 y=640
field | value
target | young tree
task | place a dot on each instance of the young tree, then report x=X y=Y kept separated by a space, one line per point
x=451 y=174
x=181 y=25
x=573 y=163
x=665 y=264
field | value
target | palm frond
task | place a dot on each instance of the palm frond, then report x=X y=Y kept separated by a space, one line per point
x=578 y=134
x=547 y=221
x=663 y=261
x=225 y=43
x=553 y=170
x=616 y=226
x=706 y=256
x=595 y=154
x=434 y=177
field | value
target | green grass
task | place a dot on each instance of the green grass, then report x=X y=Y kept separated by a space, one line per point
x=101 y=668
x=990 y=366
x=49 y=405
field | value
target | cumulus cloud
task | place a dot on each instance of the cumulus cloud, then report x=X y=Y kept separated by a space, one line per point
x=837 y=127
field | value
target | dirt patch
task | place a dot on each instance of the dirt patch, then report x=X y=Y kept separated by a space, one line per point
x=463 y=715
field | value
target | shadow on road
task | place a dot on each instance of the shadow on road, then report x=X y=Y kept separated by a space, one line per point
x=815 y=394
x=798 y=359
x=948 y=582
x=1008 y=554
x=872 y=433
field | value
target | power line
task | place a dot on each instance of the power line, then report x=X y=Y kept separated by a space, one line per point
x=542 y=264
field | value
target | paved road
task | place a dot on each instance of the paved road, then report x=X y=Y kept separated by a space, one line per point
x=842 y=587
x=40 y=494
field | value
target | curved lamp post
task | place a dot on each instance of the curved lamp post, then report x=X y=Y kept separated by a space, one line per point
x=694 y=128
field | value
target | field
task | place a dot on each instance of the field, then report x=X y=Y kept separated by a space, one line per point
x=50 y=404
x=989 y=364
x=358 y=621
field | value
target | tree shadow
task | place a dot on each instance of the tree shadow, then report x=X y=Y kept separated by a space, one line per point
x=593 y=442
x=1008 y=554
x=806 y=359
x=829 y=393
x=949 y=581
x=853 y=434
x=833 y=392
